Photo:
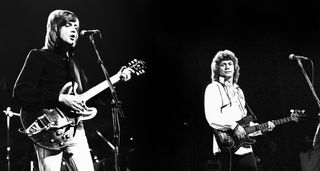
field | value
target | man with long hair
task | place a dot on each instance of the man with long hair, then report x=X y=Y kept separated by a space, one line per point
x=224 y=106
x=45 y=72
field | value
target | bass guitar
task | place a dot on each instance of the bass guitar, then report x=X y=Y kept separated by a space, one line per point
x=227 y=141
x=54 y=128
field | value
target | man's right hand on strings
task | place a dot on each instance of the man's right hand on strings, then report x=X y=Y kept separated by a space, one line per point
x=74 y=102
x=240 y=132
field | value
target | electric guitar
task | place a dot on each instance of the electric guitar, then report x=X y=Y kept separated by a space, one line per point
x=54 y=128
x=228 y=141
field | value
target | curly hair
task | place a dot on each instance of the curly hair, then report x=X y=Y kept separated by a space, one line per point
x=56 y=20
x=222 y=56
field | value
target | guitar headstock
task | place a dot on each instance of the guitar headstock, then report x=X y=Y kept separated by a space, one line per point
x=296 y=114
x=138 y=66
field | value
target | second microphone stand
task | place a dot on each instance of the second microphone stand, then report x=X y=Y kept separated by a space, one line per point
x=116 y=107
x=316 y=138
x=9 y=114
x=309 y=82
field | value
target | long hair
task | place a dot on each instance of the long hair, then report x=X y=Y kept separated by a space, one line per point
x=222 y=56
x=56 y=20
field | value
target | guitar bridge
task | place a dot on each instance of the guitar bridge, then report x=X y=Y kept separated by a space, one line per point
x=43 y=121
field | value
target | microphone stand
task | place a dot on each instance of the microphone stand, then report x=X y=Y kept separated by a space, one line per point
x=9 y=114
x=116 y=107
x=316 y=138
x=309 y=82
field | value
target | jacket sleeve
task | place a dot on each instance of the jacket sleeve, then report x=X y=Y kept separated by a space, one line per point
x=27 y=91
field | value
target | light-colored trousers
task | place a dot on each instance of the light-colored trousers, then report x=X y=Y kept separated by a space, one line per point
x=50 y=160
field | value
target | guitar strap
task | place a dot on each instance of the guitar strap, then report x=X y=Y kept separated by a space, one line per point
x=220 y=85
x=246 y=105
x=222 y=102
x=251 y=112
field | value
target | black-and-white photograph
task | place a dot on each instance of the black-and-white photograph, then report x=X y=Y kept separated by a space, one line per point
x=150 y=85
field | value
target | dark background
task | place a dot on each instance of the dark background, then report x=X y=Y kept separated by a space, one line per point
x=164 y=127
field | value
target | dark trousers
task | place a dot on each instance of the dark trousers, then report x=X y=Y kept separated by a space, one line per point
x=234 y=162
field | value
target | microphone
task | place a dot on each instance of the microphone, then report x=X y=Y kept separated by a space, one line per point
x=293 y=56
x=88 y=32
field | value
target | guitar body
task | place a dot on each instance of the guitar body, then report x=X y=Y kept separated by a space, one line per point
x=227 y=139
x=89 y=112
x=54 y=128
x=51 y=130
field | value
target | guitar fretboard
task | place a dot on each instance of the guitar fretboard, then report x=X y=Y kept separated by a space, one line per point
x=98 y=88
x=137 y=67
x=262 y=126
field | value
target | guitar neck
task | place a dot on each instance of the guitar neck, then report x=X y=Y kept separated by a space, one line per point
x=262 y=126
x=99 y=88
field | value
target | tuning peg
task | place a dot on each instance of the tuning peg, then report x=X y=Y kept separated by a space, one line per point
x=133 y=61
x=297 y=111
x=140 y=72
x=300 y=111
